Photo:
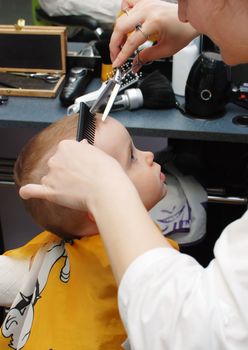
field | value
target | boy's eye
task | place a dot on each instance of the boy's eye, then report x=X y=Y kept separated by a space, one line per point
x=132 y=156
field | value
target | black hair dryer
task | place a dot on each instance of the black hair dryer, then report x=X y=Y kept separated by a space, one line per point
x=208 y=86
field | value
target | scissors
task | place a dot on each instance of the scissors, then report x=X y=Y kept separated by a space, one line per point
x=110 y=90
x=114 y=85
x=108 y=94
x=99 y=97
x=48 y=78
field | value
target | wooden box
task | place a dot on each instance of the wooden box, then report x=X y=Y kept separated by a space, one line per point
x=30 y=56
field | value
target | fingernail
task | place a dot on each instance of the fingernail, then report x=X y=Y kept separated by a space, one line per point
x=116 y=63
x=22 y=193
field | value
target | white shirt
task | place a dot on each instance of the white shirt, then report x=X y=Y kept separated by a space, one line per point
x=105 y=11
x=170 y=302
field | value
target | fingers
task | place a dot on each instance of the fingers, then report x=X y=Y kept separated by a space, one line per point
x=131 y=30
x=154 y=20
x=122 y=37
x=69 y=178
x=129 y=4
x=126 y=5
x=33 y=191
x=122 y=46
x=133 y=41
x=115 y=46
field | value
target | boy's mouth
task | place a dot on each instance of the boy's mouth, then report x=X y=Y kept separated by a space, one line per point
x=162 y=177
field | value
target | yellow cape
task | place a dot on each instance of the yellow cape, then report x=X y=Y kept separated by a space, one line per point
x=69 y=298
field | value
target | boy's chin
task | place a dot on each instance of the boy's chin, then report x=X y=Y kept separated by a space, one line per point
x=164 y=192
x=151 y=205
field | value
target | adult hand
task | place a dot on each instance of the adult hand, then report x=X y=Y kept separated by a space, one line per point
x=154 y=19
x=78 y=173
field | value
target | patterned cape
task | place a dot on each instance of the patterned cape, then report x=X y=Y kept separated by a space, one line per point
x=68 y=299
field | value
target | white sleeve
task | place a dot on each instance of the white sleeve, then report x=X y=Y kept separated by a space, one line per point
x=59 y=7
x=168 y=301
x=12 y=273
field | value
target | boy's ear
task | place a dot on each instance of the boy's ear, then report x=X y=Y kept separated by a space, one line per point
x=91 y=217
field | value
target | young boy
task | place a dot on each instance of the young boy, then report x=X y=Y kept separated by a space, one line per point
x=66 y=295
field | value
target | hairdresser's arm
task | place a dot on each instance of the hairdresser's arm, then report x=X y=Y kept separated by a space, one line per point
x=124 y=224
x=159 y=21
x=95 y=181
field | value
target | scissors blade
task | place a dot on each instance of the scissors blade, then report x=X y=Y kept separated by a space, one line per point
x=103 y=97
x=111 y=101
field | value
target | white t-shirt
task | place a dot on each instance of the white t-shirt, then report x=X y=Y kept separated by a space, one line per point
x=170 y=302
x=105 y=11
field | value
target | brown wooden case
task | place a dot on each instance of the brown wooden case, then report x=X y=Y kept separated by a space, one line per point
x=31 y=49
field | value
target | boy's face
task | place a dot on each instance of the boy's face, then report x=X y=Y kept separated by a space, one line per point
x=113 y=138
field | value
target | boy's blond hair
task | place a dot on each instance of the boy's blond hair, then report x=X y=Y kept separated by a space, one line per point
x=31 y=166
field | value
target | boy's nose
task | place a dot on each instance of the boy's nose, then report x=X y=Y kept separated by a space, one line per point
x=149 y=157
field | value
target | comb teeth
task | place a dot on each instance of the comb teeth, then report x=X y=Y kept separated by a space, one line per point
x=86 y=124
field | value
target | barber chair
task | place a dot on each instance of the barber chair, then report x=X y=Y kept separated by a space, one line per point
x=81 y=28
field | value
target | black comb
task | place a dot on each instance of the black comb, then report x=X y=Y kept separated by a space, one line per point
x=86 y=124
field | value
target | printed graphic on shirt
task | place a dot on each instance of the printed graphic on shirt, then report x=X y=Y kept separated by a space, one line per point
x=176 y=219
x=18 y=322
